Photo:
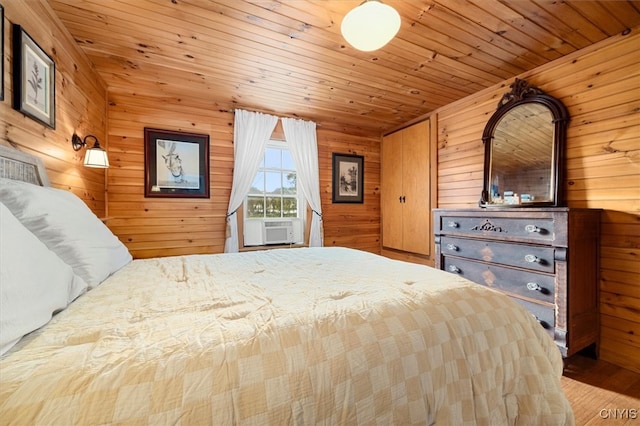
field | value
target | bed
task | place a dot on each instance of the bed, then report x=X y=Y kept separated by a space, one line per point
x=300 y=336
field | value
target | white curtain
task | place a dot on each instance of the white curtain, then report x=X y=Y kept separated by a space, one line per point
x=251 y=132
x=303 y=145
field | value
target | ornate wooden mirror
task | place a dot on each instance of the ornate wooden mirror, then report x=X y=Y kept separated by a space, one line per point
x=524 y=149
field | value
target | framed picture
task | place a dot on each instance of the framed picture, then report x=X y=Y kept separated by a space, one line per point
x=348 y=178
x=1 y=53
x=34 y=79
x=176 y=164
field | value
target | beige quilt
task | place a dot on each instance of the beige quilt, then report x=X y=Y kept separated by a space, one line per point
x=312 y=336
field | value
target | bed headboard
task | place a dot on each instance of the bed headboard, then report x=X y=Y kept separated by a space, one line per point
x=18 y=165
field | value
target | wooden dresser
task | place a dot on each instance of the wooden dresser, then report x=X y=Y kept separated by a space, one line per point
x=544 y=258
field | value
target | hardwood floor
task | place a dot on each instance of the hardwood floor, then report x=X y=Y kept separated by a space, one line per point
x=601 y=393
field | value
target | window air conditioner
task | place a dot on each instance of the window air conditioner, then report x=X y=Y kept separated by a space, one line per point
x=277 y=232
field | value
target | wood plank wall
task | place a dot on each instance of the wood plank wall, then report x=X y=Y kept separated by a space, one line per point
x=80 y=104
x=351 y=225
x=600 y=87
x=161 y=227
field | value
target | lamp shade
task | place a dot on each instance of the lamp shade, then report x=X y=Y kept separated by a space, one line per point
x=370 y=26
x=96 y=157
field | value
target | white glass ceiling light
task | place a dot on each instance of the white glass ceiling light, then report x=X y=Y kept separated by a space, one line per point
x=371 y=25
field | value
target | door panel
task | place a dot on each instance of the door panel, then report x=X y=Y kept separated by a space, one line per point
x=391 y=182
x=416 y=225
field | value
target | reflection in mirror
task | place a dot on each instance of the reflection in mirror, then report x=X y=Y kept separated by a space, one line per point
x=522 y=156
x=524 y=144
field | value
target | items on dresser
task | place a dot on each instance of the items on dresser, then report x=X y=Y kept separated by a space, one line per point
x=544 y=258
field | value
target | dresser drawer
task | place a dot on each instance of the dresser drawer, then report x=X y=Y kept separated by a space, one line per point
x=527 y=284
x=544 y=314
x=529 y=229
x=536 y=258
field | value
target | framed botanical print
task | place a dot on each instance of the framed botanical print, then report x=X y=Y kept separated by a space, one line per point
x=176 y=164
x=34 y=76
x=1 y=53
x=348 y=178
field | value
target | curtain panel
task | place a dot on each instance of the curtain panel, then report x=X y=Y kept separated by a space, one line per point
x=251 y=132
x=302 y=141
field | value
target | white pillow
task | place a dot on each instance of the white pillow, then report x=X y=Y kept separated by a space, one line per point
x=34 y=282
x=66 y=225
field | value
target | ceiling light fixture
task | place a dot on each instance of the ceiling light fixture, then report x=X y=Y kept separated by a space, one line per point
x=371 y=25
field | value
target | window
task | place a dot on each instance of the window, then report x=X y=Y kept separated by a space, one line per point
x=273 y=196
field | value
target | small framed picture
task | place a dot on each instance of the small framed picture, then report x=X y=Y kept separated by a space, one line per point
x=1 y=53
x=176 y=164
x=348 y=178
x=34 y=79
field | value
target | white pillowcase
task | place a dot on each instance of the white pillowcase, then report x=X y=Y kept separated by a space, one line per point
x=34 y=282
x=66 y=225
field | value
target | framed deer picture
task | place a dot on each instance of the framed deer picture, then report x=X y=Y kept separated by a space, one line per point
x=176 y=164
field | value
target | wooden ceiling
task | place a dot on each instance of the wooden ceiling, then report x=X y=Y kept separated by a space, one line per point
x=288 y=58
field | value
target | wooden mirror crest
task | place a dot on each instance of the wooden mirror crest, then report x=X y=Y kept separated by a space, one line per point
x=524 y=149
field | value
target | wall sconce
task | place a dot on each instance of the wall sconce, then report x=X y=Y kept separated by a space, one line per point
x=370 y=26
x=95 y=156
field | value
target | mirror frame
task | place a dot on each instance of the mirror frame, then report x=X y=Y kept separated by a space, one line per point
x=524 y=93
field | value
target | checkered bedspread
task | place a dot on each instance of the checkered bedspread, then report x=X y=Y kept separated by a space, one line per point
x=307 y=336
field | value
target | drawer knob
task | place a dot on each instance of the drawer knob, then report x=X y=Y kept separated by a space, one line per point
x=452 y=224
x=452 y=247
x=532 y=229
x=534 y=286
x=538 y=287
x=454 y=269
x=543 y=323
x=532 y=259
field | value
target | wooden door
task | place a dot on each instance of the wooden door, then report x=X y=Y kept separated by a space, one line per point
x=416 y=224
x=391 y=191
